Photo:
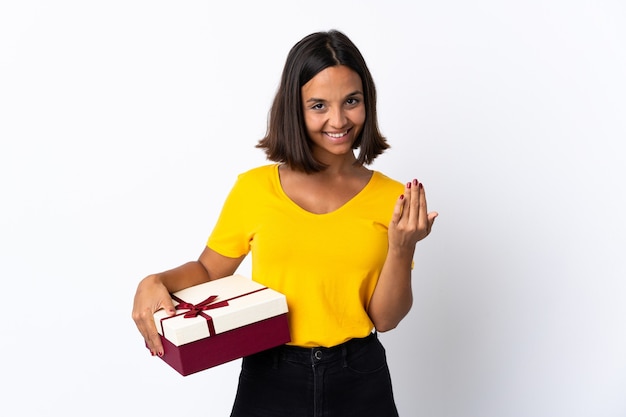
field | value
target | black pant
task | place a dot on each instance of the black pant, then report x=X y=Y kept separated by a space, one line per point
x=351 y=379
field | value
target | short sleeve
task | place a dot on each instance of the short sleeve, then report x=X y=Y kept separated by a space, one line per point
x=231 y=235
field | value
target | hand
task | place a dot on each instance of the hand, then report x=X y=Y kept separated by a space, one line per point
x=410 y=221
x=151 y=296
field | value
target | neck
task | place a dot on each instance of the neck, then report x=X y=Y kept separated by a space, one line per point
x=338 y=164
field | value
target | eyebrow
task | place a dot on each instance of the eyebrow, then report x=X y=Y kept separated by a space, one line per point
x=352 y=94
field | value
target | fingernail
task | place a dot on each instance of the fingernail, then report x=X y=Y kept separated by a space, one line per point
x=421 y=186
x=160 y=354
x=414 y=182
x=408 y=185
x=401 y=196
x=151 y=353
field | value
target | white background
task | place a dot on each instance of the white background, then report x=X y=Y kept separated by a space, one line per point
x=123 y=125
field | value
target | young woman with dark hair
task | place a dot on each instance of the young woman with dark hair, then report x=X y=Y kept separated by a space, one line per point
x=287 y=139
x=335 y=237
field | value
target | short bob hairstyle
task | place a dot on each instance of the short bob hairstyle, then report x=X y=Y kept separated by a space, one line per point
x=286 y=139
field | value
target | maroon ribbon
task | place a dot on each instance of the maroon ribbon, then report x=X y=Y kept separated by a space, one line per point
x=198 y=309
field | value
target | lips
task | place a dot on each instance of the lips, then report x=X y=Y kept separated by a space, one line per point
x=337 y=135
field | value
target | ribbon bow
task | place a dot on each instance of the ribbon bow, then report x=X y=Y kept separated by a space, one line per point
x=196 y=309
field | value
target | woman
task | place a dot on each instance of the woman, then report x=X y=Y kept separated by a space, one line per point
x=335 y=237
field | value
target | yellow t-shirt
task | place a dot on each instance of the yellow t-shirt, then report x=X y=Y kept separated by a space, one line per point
x=326 y=265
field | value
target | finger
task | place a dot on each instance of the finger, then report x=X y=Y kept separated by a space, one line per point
x=398 y=209
x=432 y=216
x=416 y=198
x=168 y=305
x=423 y=221
x=431 y=220
x=427 y=218
x=147 y=326
x=405 y=199
x=153 y=341
x=153 y=337
x=411 y=196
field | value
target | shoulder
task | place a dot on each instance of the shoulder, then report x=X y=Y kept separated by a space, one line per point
x=257 y=179
x=383 y=181
x=260 y=173
x=262 y=170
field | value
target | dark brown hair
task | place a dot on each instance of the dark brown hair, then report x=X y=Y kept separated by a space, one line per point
x=286 y=139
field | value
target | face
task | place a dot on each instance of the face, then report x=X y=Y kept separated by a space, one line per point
x=334 y=111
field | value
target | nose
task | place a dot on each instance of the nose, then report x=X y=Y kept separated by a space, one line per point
x=337 y=118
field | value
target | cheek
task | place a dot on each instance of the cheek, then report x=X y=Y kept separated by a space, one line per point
x=312 y=123
x=362 y=118
x=358 y=114
x=359 y=119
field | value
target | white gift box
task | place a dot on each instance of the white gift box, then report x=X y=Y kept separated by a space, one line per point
x=221 y=320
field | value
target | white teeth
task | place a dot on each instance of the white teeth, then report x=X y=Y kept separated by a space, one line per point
x=337 y=135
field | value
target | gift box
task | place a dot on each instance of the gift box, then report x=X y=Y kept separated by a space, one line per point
x=220 y=321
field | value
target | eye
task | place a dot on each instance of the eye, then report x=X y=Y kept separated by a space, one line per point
x=317 y=106
x=352 y=101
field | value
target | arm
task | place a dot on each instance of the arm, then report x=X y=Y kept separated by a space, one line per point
x=153 y=292
x=410 y=223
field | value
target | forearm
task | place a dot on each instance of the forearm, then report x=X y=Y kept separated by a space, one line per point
x=393 y=296
x=186 y=275
x=209 y=266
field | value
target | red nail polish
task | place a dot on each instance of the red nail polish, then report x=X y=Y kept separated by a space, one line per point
x=421 y=186
x=408 y=185
x=414 y=182
x=401 y=196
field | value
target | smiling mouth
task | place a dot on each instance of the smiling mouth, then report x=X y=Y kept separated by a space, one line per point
x=337 y=135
